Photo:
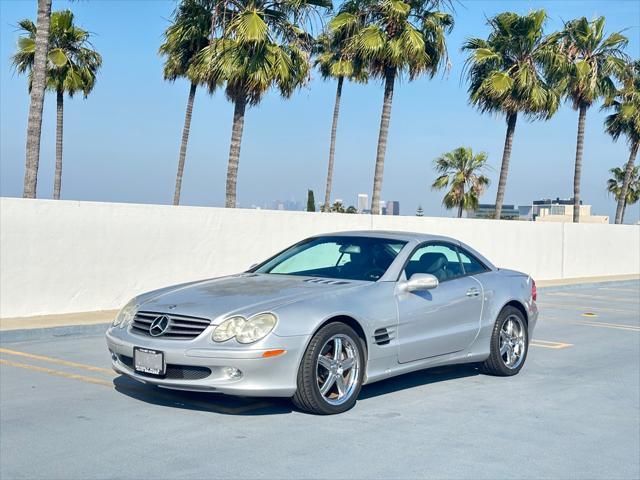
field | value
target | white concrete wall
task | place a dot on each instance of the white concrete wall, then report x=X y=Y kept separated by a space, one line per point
x=65 y=256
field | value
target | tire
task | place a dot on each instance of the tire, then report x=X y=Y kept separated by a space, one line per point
x=498 y=363
x=314 y=372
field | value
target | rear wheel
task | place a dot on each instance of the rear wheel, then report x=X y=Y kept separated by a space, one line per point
x=331 y=371
x=509 y=344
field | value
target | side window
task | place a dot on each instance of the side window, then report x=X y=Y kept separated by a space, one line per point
x=470 y=263
x=437 y=259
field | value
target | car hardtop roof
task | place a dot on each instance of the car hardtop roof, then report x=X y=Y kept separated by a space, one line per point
x=391 y=235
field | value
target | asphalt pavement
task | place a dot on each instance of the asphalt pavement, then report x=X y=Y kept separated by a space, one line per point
x=572 y=412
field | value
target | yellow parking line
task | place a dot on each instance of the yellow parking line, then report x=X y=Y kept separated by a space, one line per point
x=58 y=361
x=98 y=381
x=50 y=371
x=618 y=326
x=548 y=344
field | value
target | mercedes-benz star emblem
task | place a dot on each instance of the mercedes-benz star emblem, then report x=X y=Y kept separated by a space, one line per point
x=159 y=326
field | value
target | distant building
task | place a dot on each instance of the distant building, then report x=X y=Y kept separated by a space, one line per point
x=393 y=208
x=545 y=210
x=363 y=202
x=488 y=210
x=383 y=207
x=290 y=205
x=561 y=210
x=526 y=212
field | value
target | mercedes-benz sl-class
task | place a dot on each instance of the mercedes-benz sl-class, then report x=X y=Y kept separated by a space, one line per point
x=328 y=315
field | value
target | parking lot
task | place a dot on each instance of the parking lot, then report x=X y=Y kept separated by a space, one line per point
x=573 y=412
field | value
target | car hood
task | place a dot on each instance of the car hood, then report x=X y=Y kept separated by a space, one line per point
x=243 y=294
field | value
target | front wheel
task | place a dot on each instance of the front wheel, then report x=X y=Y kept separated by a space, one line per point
x=509 y=344
x=331 y=371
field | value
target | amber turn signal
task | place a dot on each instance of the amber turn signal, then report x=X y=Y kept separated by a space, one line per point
x=273 y=353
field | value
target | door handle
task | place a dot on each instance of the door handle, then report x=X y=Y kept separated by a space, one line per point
x=473 y=292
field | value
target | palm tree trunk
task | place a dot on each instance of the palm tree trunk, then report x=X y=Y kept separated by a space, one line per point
x=578 y=168
x=625 y=183
x=512 y=118
x=183 y=144
x=460 y=205
x=34 y=126
x=332 y=145
x=390 y=78
x=624 y=209
x=234 y=151
x=57 y=178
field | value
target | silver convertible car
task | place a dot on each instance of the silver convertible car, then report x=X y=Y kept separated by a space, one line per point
x=329 y=314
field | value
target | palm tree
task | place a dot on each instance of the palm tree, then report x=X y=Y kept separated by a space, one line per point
x=394 y=38
x=506 y=76
x=335 y=61
x=625 y=120
x=38 y=85
x=589 y=61
x=263 y=45
x=616 y=183
x=71 y=68
x=188 y=34
x=461 y=171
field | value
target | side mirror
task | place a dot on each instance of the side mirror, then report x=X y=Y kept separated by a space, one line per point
x=421 y=281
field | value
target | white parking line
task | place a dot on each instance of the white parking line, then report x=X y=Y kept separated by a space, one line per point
x=617 y=326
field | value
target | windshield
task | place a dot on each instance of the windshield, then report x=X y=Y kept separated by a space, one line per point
x=341 y=257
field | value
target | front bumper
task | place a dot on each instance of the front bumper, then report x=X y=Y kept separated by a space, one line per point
x=268 y=377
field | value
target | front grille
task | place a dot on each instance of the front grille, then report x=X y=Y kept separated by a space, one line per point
x=180 y=327
x=173 y=372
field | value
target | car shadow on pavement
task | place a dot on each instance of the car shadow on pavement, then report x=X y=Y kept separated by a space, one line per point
x=201 y=401
x=418 y=378
x=245 y=406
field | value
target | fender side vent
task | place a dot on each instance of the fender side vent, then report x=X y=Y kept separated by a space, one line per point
x=383 y=336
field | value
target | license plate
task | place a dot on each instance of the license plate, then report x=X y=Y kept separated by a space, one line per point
x=148 y=361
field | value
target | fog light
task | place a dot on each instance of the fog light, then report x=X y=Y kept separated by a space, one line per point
x=231 y=372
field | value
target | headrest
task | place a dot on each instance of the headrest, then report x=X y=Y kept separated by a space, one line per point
x=433 y=261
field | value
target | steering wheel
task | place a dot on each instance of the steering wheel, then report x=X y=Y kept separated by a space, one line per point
x=374 y=273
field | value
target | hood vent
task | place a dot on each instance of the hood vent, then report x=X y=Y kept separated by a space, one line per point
x=326 y=281
x=383 y=336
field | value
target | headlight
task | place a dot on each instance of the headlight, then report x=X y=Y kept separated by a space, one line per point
x=256 y=327
x=245 y=331
x=228 y=329
x=127 y=313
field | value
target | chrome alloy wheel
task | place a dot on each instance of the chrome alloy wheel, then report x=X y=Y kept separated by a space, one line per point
x=512 y=341
x=337 y=369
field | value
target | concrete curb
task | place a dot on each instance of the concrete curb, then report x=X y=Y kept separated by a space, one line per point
x=27 y=334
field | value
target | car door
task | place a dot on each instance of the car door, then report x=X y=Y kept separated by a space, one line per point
x=442 y=320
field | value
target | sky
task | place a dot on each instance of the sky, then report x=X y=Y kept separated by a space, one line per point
x=121 y=143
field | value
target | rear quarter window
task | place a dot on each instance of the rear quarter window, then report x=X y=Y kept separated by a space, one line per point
x=470 y=263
